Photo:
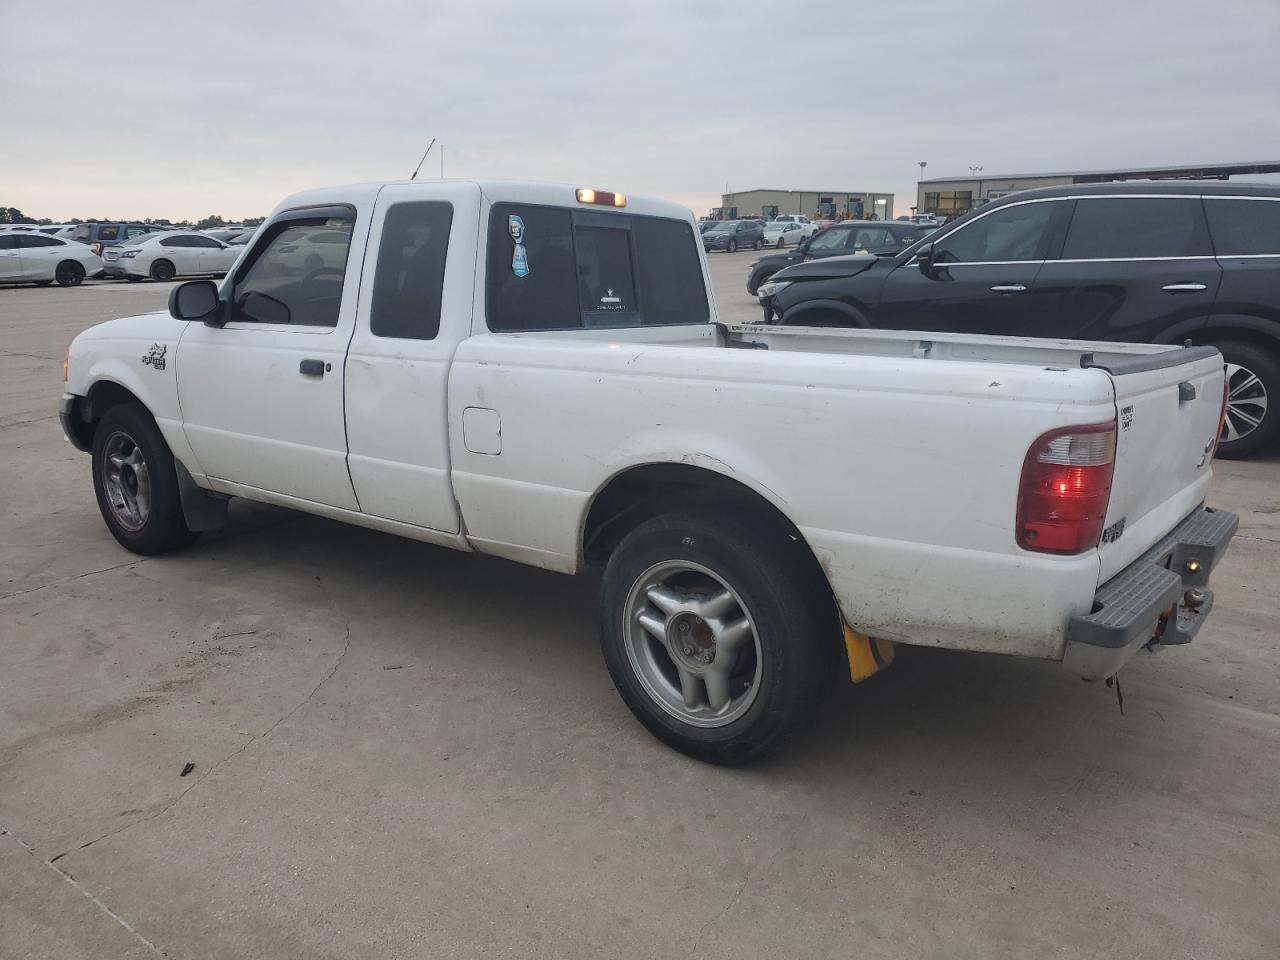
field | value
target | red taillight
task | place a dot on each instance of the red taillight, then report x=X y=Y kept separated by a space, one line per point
x=1065 y=488
x=96 y=248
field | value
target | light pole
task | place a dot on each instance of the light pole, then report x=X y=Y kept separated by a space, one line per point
x=923 y=164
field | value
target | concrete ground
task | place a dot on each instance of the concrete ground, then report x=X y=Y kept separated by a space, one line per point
x=406 y=752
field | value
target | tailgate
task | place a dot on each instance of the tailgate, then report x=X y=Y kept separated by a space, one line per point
x=1167 y=407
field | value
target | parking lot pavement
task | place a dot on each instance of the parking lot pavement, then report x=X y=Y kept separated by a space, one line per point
x=402 y=752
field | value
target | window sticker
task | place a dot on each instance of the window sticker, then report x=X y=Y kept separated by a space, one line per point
x=520 y=256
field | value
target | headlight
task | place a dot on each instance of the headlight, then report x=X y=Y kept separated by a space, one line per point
x=126 y=254
x=772 y=287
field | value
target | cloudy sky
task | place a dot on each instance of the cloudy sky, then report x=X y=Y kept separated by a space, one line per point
x=140 y=108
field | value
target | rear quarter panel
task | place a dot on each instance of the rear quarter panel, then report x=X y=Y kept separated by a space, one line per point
x=902 y=474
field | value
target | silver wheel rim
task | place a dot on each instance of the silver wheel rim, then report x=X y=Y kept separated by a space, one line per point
x=692 y=643
x=1246 y=403
x=126 y=481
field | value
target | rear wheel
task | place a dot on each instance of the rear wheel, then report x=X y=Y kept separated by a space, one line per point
x=717 y=634
x=136 y=482
x=780 y=244
x=1253 y=378
x=162 y=270
x=759 y=243
x=69 y=273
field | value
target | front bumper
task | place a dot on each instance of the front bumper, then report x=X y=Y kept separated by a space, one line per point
x=66 y=408
x=1162 y=598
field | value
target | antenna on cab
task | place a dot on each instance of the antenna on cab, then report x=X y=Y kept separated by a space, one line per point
x=423 y=160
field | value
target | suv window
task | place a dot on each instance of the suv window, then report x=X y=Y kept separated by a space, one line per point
x=108 y=233
x=1243 y=228
x=1011 y=233
x=833 y=238
x=83 y=232
x=409 y=280
x=1117 y=228
x=293 y=279
x=868 y=238
x=578 y=268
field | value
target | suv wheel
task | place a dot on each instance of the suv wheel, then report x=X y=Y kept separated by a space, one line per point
x=758 y=244
x=731 y=246
x=1253 y=378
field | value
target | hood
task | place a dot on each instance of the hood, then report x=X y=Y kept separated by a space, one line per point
x=147 y=326
x=827 y=268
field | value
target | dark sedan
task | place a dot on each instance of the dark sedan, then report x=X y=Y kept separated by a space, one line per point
x=883 y=238
x=734 y=234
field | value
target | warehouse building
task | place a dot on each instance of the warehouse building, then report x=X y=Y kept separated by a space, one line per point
x=954 y=196
x=814 y=204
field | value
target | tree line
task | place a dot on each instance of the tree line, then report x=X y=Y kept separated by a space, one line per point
x=10 y=215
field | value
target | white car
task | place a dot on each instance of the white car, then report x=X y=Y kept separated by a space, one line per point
x=35 y=257
x=172 y=253
x=537 y=373
x=784 y=233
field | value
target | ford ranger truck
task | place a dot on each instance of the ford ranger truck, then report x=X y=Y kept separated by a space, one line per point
x=538 y=372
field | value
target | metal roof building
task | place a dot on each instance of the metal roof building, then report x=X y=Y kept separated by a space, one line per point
x=953 y=196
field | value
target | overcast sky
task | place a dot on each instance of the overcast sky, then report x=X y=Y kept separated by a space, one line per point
x=164 y=109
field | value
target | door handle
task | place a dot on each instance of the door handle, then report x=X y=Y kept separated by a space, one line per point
x=313 y=368
x=1009 y=288
x=1183 y=287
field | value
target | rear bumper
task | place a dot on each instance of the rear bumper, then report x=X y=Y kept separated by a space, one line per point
x=1163 y=597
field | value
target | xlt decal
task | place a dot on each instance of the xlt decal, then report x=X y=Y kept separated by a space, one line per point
x=155 y=356
x=1113 y=532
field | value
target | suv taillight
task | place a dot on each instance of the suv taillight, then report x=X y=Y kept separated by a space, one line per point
x=96 y=248
x=1065 y=488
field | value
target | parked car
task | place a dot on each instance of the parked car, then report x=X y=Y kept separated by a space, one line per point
x=882 y=238
x=974 y=498
x=784 y=233
x=172 y=253
x=792 y=218
x=821 y=225
x=35 y=257
x=729 y=235
x=1153 y=262
x=100 y=236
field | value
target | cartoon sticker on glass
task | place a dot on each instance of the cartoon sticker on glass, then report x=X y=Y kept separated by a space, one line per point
x=520 y=256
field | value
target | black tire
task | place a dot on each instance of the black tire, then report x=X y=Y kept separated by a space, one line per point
x=753 y=286
x=163 y=271
x=1265 y=364
x=780 y=244
x=783 y=593
x=164 y=528
x=759 y=244
x=69 y=273
x=731 y=246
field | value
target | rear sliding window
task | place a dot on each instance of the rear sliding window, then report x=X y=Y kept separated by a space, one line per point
x=1244 y=228
x=554 y=268
x=108 y=233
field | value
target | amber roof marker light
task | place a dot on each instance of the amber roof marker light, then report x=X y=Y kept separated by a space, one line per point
x=601 y=198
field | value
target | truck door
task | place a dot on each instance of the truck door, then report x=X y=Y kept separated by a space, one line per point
x=262 y=396
x=415 y=307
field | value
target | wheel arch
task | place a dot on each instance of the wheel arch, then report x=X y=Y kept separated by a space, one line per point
x=642 y=491
x=794 y=314
x=1260 y=331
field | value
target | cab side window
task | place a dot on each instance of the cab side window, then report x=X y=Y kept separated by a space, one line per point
x=1134 y=228
x=408 y=283
x=1012 y=233
x=295 y=274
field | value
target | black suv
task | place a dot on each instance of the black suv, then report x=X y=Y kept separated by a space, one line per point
x=730 y=235
x=884 y=238
x=1152 y=262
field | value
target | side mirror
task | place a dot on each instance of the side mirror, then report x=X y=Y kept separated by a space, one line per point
x=196 y=300
x=924 y=258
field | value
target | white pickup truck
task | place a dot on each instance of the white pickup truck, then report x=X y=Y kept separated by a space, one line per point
x=537 y=372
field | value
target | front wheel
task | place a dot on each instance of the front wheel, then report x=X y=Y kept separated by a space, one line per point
x=717 y=632
x=69 y=273
x=1253 y=378
x=780 y=244
x=136 y=482
x=731 y=246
